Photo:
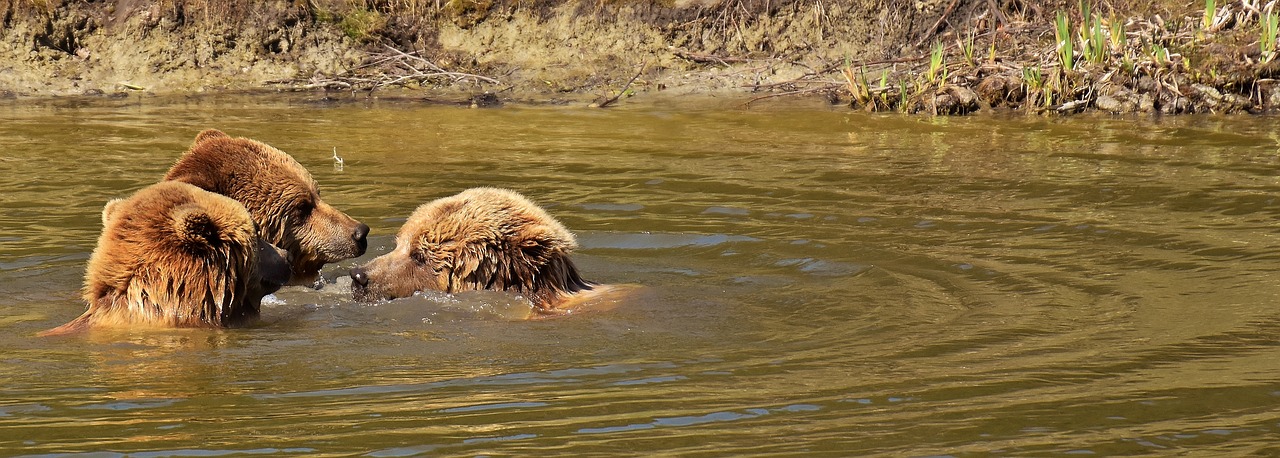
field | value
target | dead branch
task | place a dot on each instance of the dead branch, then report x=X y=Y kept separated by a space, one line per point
x=811 y=90
x=710 y=59
x=929 y=33
x=391 y=68
x=624 y=88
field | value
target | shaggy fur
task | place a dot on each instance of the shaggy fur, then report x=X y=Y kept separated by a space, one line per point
x=481 y=239
x=279 y=194
x=173 y=255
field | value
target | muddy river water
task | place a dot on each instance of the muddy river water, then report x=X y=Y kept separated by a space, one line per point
x=812 y=281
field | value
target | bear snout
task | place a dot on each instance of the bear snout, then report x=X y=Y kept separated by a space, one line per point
x=273 y=265
x=361 y=238
x=359 y=277
x=360 y=290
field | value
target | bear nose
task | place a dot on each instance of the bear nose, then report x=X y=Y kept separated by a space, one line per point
x=359 y=277
x=361 y=237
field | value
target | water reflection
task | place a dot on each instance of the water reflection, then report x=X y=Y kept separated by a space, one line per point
x=816 y=282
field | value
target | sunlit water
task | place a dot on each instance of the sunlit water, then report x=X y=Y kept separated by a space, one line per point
x=813 y=281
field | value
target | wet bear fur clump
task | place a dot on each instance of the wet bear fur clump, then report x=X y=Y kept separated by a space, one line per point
x=480 y=239
x=174 y=255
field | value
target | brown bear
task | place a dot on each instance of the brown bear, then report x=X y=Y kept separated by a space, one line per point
x=280 y=196
x=480 y=239
x=174 y=255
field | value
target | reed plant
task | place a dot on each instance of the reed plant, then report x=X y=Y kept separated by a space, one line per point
x=903 y=97
x=937 y=69
x=1062 y=33
x=1268 y=23
x=883 y=88
x=966 y=48
x=857 y=83
x=1033 y=80
x=1093 y=40
x=1159 y=55
x=1210 y=10
x=1118 y=38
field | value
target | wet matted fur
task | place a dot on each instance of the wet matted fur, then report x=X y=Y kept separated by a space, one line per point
x=280 y=195
x=174 y=255
x=480 y=239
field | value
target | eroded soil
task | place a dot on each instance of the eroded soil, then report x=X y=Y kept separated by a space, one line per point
x=870 y=54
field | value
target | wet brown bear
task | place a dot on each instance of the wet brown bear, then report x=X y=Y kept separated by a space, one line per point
x=280 y=196
x=480 y=239
x=174 y=255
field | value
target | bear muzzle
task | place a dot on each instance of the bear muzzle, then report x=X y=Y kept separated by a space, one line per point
x=273 y=269
x=360 y=285
x=361 y=237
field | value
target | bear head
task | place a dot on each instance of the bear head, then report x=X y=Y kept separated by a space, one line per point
x=174 y=255
x=280 y=196
x=480 y=239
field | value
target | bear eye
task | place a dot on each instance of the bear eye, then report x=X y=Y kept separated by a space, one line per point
x=305 y=208
x=418 y=256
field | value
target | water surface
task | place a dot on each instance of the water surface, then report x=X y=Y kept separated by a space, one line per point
x=813 y=281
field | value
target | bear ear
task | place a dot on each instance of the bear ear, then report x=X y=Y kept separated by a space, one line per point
x=109 y=210
x=210 y=134
x=195 y=226
x=540 y=241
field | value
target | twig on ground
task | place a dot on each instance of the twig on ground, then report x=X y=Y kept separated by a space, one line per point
x=929 y=33
x=615 y=98
x=392 y=68
x=748 y=103
x=710 y=59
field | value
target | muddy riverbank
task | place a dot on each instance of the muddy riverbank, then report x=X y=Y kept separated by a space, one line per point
x=944 y=56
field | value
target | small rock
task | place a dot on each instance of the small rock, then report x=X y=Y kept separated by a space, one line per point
x=964 y=96
x=1146 y=104
x=485 y=100
x=1207 y=91
x=1109 y=103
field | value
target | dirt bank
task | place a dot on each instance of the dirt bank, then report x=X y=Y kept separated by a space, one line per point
x=875 y=55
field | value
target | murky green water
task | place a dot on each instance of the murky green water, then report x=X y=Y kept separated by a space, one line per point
x=816 y=282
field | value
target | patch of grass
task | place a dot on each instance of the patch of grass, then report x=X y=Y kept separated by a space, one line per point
x=884 y=85
x=903 y=97
x=362 y=25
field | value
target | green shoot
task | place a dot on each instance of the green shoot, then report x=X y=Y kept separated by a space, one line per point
x=1267 y=41
x=936 y=70
x=1159 y=55
x=1210 y=9
x=1032 y=77
x=1118 y=37
x=858 y=86
x=884 y=84
x=1092 y=40
x=1062 y=33
x=967 y=47
x=902 y=96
